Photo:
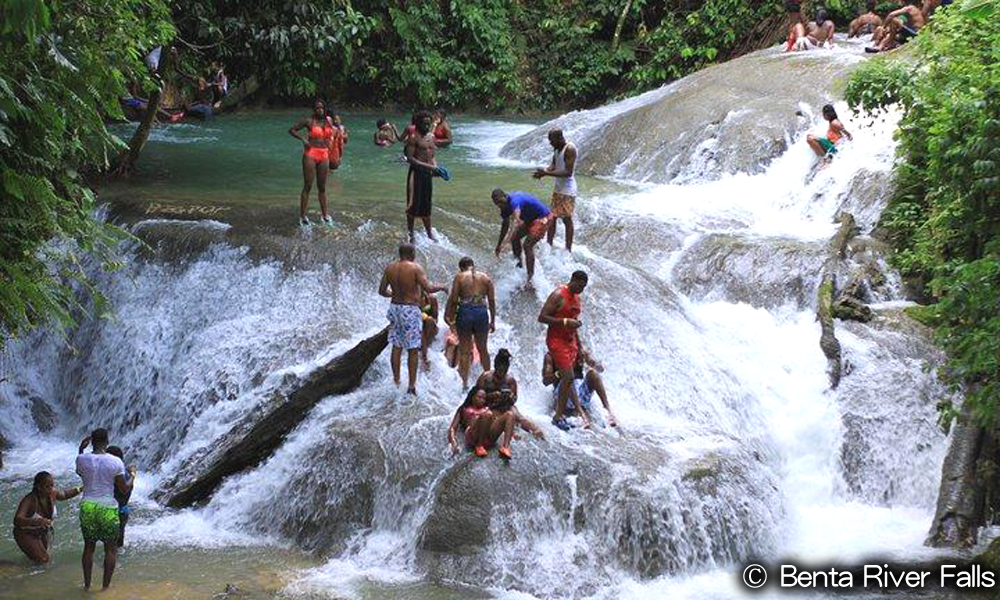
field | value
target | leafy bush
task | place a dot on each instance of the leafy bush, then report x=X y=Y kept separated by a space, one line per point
x=944 y=218
x=73 y=59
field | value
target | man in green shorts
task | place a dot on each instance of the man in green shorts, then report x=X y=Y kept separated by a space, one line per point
x=102 y=474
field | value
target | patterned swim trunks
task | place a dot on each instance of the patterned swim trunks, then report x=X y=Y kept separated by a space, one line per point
x=406 y=326
x=99 y=523
x=562 y=205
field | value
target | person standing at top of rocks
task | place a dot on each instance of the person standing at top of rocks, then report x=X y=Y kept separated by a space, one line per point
x=562 y=167
x=403 y=281
x=561 y=312
x=472 y=310
x=102 y=475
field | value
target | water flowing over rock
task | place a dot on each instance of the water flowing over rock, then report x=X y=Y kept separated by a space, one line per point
x=261 y=432
x=728 y=118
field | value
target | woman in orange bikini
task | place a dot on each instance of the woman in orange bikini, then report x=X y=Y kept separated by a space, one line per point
x=826 y=147
x=315 y=159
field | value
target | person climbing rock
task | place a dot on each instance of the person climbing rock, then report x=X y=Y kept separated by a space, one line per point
x=532 y=219
x=561 y=312
x=35 y=515
x=471 y=308
x=826 y=147
x=403 y=281
x=564 y=191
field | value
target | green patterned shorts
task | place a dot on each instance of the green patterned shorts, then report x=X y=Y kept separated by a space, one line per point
x=99 y=523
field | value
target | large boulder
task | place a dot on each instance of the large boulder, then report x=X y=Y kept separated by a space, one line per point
x=732 y=117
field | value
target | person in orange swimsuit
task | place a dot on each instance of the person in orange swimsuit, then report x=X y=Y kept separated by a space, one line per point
x=337 y=143
x=561 y=312
x=315 y=159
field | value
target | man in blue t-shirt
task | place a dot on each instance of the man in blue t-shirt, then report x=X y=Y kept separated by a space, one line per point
x=533 y=217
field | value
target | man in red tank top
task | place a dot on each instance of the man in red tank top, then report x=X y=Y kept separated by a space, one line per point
x=561 y=312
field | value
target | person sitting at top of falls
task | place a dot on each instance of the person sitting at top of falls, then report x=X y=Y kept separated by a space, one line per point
x=561 y=312
x=900 y=26
x=123 y=496
x=385 y=133
x=497 y=382
x=403 y=281
x=35 y=514
x=866 y=23
x=442 y=129
x=586 y=384
x=826 y=147
x=815 y=34
x=484 y=423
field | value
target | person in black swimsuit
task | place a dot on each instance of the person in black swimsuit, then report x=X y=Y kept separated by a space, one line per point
x=35 y=514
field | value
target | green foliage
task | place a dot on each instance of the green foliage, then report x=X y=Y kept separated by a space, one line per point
x=944 y=219
x=491 y=54
x=73 y=59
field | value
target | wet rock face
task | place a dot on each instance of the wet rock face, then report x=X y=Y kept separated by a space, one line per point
x=660 y=515
x=761 y=272
x=42 y=414
x=732 y=117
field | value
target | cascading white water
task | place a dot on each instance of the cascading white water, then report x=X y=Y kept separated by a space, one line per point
x=731 y=446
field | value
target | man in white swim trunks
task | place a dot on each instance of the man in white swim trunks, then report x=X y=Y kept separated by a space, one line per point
x=403 y=281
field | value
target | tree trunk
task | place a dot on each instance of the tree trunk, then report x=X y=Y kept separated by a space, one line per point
x=621 y=23
x=128 y=157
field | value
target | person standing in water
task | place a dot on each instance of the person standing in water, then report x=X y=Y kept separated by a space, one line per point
x=561 y=312
x=35 y=514
x=827 y=146
x=533 y=217
x=403 y=282
x=123 y=497
x=420 y=154
x=102 y=475
x=337 y=142
x=442 y=130
x=472 y=309
x=562 y=168
x=315 y=159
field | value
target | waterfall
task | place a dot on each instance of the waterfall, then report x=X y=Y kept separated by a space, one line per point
x=702 y=307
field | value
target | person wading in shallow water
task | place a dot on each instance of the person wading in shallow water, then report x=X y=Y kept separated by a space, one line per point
x=420 y=154
x=561 y=312
x=471 y=309
x=102 y=475
x=315 y=159
x=531 y=219
x=35 y=514
x=562 y=167
x=403 y=282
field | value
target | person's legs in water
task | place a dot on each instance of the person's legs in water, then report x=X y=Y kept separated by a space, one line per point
x=529 y=256
x=427 y=228
x=815 y=144
x=503 y=424
x=88 y=561
x=308 y=175
x=481 y=434
x=482 y=345
x=568 y=223
x=429 y=333
x=516 y=242
x=596 y=383
x=322 y=171
x=412 y=358
x=567 y=393
x=395 y=357
x=110 y=561
x=34 y=545
x=464 y=355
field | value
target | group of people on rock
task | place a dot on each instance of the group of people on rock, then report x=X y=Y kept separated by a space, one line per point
x=104 y=510
x=489 y=411
x=897 y=27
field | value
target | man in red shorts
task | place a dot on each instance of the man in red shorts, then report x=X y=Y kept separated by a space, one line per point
x=534 y=219
x=561 y=312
